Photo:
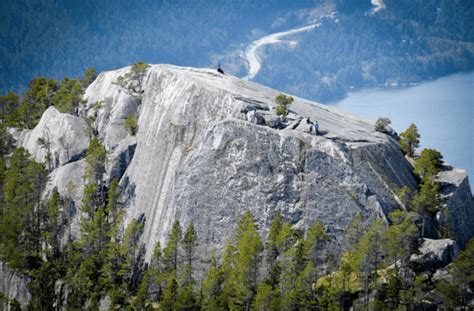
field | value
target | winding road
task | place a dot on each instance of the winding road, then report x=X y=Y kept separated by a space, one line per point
x=379 y=5
x=251 y=53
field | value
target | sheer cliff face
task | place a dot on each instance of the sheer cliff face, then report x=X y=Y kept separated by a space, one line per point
x=200 y=156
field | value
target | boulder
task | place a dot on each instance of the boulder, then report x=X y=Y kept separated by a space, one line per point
x=274 y=121
x=434 y=254
x=442 y=274
x=254 y=117
x=308 y=126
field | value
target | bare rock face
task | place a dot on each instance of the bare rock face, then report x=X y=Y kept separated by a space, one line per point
x=14 y=285
x=207 y=150
x=67 y=179
x=457 y=213
x=434 y=254
x=64 y=136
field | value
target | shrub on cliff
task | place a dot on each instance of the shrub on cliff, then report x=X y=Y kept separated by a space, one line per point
x=282 y=101
x=132 y=81
x=381 y=124
x=131 y=125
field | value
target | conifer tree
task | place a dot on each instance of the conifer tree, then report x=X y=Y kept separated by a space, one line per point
x=171 y=251
x=53 y=226
x=369 y=256
x=150 y=287
x=170 y=293
x=23 y=184
x=92 y=247
x=271 y=245
x=186 y=297
x=189 y=246
x=68 y=96
x=425 y=202
x=241 y=264
x=428 y=163
x=212 y=286
x=9 y=105
x=90 y=75
x=314 y=242
x=133 y=81
x=456 y=292
x=267 y=298
x=37 y=99
x=400 y=239
x=410 y=140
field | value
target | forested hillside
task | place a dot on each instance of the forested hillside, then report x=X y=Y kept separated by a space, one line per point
x=404 y=43
x=60 y=38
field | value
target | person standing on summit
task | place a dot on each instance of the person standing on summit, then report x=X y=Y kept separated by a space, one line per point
x=219 y=69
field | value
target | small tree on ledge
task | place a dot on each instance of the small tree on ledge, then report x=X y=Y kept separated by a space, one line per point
x=381 y=124
x=131 y=125
x=410 y=140
x=132 y=81
x=282 y=101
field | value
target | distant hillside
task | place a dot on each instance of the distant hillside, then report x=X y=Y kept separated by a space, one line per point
x=61 y=38
x=406 y=42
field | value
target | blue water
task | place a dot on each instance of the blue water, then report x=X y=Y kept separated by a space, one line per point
x=442 y=110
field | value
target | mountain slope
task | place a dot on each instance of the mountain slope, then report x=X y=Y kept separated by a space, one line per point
x=207 y=149
x=199 y=156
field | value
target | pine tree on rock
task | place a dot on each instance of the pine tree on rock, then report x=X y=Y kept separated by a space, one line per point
x=410 y=140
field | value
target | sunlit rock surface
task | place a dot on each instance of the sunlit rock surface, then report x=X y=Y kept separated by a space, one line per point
x=64 y=136
x=206 y=150
x=14 y=285
x=199 y=157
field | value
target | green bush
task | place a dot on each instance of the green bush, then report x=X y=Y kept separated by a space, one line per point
x=381 y=124
x=282 y=101
x=131 y=125
x=281 y=110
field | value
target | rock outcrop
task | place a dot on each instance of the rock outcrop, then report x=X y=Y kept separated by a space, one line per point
x=65 y=137
x=434 y=254
x=209 y=147
x=14 y=285
x=456 y=215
